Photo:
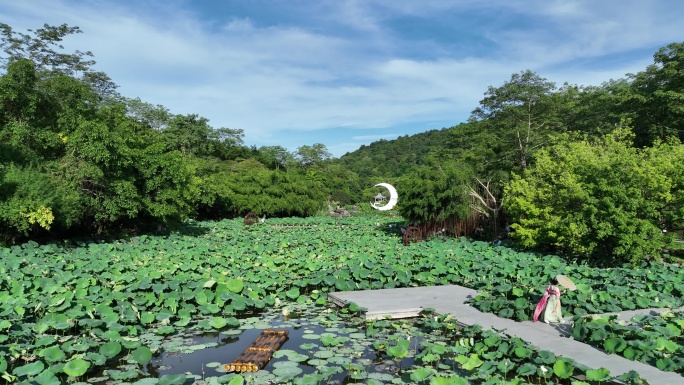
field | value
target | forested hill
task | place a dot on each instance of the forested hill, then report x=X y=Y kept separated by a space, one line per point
x=393 y=158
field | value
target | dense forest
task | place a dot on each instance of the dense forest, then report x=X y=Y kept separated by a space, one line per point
x=76 y=157
x=587 y=171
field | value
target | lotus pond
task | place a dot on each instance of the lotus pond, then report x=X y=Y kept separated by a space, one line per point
x=655 y=340
x=113 y=312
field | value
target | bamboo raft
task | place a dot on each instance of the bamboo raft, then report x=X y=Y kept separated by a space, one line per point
x=257 y=355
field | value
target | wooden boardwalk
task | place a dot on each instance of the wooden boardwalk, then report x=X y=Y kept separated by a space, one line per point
x=408 y=302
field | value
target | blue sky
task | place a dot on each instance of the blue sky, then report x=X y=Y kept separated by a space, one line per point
x=349 y=72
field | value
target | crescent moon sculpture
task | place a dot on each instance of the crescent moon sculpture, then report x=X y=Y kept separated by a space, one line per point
x=393 y=197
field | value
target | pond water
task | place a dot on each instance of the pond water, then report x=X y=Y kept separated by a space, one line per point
x=327 y=346
x=322 y=347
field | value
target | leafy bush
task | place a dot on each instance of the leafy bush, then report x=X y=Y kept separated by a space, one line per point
x=598 y=198
x=30 y=200
x=433 y=193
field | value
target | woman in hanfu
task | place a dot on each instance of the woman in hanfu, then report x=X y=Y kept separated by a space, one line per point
x=550 y=304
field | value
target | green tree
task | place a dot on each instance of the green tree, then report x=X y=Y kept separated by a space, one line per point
x=595 y=110
x=148 y=115
x=122 y=172
x=236 y=188
x=474 y=144
x=341 y=184
x=435 y=193
x=228 y=144
x=312 y=155
x=18 y=90
x=667 y=159
x=192 y=135
x=519 y=118
x=168 y=185
x=275 y=157
x=43 y=48
x=595 y=198
x=19 y=102
x=659 y=97
x=189 y=134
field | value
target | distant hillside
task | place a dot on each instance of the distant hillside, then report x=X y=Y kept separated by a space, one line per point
x=392 y=158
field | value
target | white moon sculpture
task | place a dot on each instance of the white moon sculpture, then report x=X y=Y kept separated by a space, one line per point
x=393 y=197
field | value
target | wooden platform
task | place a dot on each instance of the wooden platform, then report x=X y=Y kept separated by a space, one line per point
x=404 y=302
x=257 y=355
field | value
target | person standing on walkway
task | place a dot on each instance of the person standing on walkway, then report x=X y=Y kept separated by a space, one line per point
x=549 y=304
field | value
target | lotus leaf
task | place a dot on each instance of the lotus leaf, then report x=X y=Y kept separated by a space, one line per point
x=293 y=293
x=308 y=379
x=632 y=377
x=400 y=350
x=142 y=355
x=110 y=349
x=52 y=354
x=324 y=354
x=492 y=340
x=380 y=376
x=76 y=368
x=287 y=371
x=527 y=369
x=130 y=343
x=29 y=370
x=235 y=285
x=666 y=344
x=164 y=330
x=298 y=357
x=545 y=357
x=598 y=335
x=174 y=379
x=630 y=353
x=146 y=381
x=96 y=358
x=147 y=318
x=47 y=377
x=600 y=375
x=643 y=302
x=666 y=364
x=613 y=345
x=471 y=362
x=674 y=330
x=448 y=381
x=340 y=360
x=127 y=286
x=563 y=369
x=218 y=322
